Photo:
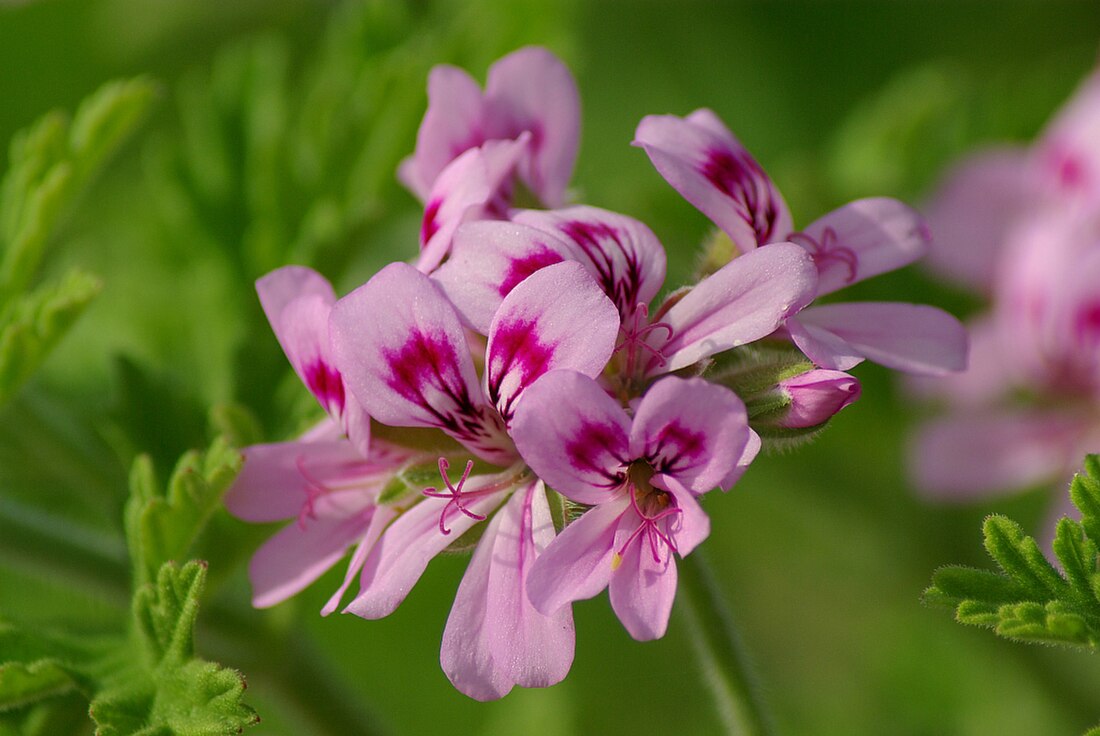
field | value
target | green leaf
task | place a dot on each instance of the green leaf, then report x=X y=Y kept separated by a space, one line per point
x=1020 y=558
x=170 y=692
x=50 y=164
x=36 y=323
x=37 y=665
x=1030 y=600
x=161 y=525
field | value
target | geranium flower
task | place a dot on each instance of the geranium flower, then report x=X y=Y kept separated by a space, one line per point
x=640 y=474
x=401 y=344
x=741 y=302
x=703 y=161
x=473 y=146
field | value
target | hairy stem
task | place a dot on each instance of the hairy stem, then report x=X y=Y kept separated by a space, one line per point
x=719 y=651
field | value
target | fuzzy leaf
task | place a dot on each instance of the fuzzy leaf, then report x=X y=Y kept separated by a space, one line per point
x=1030 y=600
x=162 y=525
x=170 y=693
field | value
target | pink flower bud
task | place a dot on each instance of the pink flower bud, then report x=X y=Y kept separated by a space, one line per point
x=816 y=396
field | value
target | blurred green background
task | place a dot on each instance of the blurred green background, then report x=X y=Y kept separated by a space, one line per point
x=274 y=140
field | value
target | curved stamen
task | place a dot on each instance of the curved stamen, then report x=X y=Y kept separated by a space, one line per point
x=828 y=250
x=634 y=334
x=314 y=490
x=648 y=527
x=453 y=492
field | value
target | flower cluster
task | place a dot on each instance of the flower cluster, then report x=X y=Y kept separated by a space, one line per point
x=522 y=389
x=1022 y=227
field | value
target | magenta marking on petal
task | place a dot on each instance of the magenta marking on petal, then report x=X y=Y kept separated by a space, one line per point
x=453 y=493
x=430 y=224
x=587 y=449
x=427 y=364
x=674 y=446
x=828 y=250
x=521 y=268
x=327 y=385
x=599 y=240
x=516 y=349
x=739 y=177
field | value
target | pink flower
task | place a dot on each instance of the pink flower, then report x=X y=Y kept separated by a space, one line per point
x=641 y=476
x=703 y=161
x=405 y=354
x=473 y=146
x=529 y=91
x=1023 y=227
x=741 y=302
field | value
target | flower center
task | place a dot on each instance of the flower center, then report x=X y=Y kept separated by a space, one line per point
x=657 y=512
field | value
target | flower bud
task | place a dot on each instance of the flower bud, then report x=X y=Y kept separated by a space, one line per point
x=815 y=396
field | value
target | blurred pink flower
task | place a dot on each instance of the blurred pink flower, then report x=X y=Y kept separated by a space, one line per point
x=1023 y=227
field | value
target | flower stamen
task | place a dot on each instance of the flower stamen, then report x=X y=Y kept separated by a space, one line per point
x=453 y=493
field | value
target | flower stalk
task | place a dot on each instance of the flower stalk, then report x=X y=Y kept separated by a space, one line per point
x=716 y=642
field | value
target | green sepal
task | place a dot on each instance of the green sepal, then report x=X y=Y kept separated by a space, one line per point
x=718 y=250
x=36 y=322
x=163 y=525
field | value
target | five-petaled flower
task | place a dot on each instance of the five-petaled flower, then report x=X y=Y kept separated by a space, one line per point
x=523 y=381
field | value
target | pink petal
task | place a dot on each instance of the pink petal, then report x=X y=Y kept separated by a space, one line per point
x=621 y=253
x=972 y=211
x=404 y=356
x=863 y=239
x=297 y=302
x=278 y=479
x=990 y=372
x=743 y=301
x=823 y=347
x=752 y=449
x=710 y=168
x=557 y=318
x=301 y=553
x=910 y=337
x=379 y=520
x=495 y=638
x=577 y=564
x=574 y=436
x=962 y=458
x=453 y=123
x=693 y=525
x=532 y=90
x=1068 y=156
x=282 y=286
x=642 y=589
x=475 y=186
x=489 y=259
x=691 y=430
x=400 y=557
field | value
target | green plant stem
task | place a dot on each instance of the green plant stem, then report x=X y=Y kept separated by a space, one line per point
x=719 y=651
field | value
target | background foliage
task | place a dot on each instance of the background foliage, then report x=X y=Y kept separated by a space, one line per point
x=271 y=131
